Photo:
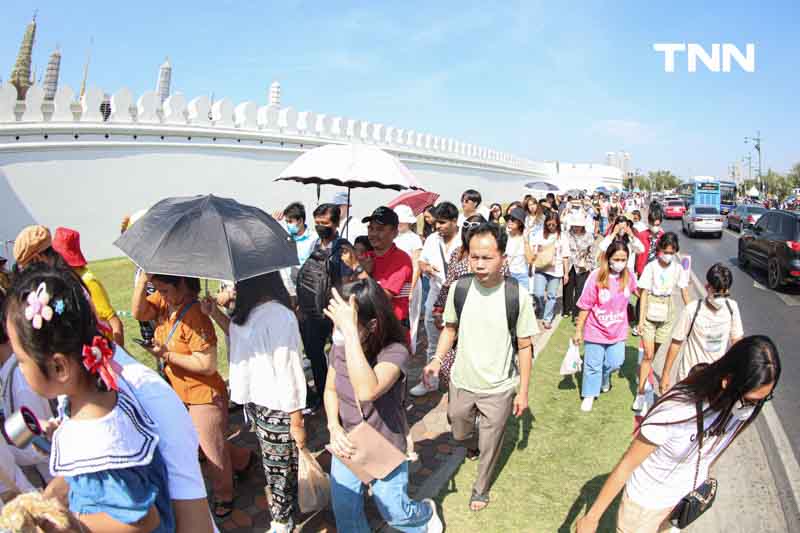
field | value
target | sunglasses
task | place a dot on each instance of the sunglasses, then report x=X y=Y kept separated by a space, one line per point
x=469 y=225
x=755 y=403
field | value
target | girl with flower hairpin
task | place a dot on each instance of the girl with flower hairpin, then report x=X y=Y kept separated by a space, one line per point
x=107 y=446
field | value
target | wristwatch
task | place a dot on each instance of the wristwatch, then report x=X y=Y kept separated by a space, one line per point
x=358 y=270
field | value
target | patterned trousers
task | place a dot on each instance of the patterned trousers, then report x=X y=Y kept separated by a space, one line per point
x=279 y=458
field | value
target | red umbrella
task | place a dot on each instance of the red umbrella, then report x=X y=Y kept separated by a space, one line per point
x=416 y=200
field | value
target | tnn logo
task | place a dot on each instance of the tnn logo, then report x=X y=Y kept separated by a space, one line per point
x=747 y=61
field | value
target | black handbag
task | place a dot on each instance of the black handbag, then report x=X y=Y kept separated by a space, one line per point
x=700 y=499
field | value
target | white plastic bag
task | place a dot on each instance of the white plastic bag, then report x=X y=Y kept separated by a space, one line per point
x=572 y=360
x=313 y=484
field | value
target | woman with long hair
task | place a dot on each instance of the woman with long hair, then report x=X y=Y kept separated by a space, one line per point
x=367 y=383
x=496 y=214
x=266 y=376
x=667 y=458
x=428 y=221
x=554 y=247
x=186 y=345
x=534 y=221
x=602 y=323
x=621 y=229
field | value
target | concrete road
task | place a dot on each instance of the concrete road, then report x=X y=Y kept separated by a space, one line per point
x=776 y=314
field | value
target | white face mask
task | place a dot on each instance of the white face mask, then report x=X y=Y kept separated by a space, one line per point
x=618 y=266
x=666 y=258
x=337 y=338
x=742 y=412
x=716 y=301
x=655 y=229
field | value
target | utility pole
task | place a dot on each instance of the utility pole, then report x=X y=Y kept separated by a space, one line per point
x=757 y=145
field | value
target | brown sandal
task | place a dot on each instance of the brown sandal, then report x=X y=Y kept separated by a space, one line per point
x=223 y=508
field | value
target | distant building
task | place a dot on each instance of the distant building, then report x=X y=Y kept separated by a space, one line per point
x=275 y=94
x=164 y=80
x=51 y=75
x=21 y=73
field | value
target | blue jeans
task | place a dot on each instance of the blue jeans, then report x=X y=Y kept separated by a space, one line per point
x=599 y=361
x=545 y=283
x=390 y=495
x=603 y=225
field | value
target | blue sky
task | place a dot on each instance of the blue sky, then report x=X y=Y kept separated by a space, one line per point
x=564 y=81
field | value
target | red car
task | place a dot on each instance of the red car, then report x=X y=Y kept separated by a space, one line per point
x=674 y=209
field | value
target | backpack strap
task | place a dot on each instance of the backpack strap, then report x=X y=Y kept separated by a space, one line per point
x=730 y=309
x=691 y=326
x=512 y=308
x=462 y=288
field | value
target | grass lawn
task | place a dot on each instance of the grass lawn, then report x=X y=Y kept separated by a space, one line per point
x=117 y=277
x=553 y=463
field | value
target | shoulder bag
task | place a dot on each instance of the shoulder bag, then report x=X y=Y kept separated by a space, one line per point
x=545 y=258
x=375 y=457
x=700 y=499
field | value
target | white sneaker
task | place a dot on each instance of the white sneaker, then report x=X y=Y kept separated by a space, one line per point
x=420 y=389
x=435 y=523
x=586 y=404
x=306 y=363
x=638 y=403
x=635 y=331
x=606 y=387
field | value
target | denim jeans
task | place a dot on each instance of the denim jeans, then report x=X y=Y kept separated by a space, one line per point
x=599 y=361
x=390 y=495
x=431 y=331
x=545 y=294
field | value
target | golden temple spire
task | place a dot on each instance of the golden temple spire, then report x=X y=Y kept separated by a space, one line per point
x=21 y=74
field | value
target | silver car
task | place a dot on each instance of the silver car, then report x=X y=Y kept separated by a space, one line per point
x=702 y=219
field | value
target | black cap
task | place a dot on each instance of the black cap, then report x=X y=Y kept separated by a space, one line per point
x=382 y=215
x=518 y=214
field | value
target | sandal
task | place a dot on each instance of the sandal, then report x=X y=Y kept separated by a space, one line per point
x=473 y=454
x=478 y=502
x=223 y=508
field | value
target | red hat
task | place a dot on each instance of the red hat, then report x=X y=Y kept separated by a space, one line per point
x=67 y=242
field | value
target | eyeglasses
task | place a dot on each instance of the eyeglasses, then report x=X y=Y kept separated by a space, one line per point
x=469 y=225
x=755 y=403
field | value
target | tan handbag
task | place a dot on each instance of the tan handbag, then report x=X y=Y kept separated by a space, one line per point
x=546 y=257
x=375 y=457
x=658 y=308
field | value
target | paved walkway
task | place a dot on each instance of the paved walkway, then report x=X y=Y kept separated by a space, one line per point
x=439 y=457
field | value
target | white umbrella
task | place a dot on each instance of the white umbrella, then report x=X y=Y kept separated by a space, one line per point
x=351 y=166
x=541 y=186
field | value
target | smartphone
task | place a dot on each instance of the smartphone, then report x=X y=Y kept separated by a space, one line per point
x=142 y=342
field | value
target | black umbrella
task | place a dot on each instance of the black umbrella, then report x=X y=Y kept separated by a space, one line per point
x=208 y=237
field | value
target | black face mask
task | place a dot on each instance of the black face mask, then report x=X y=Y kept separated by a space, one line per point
x=325 y=232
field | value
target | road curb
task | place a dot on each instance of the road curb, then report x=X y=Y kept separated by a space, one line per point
x=786 y=464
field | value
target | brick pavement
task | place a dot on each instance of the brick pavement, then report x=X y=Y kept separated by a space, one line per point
x=429 y=428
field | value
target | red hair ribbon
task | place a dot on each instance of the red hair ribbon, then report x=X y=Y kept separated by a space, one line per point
x=99 y=359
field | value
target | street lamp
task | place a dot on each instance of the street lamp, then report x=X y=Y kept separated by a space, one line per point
x=757 y=145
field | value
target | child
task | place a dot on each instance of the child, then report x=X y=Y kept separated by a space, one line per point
x=107 y=446
x=657 y=285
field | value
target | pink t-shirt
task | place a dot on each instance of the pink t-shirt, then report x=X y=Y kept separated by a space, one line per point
x=607 y=322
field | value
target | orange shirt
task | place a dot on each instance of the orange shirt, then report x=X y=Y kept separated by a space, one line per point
x=195 y=333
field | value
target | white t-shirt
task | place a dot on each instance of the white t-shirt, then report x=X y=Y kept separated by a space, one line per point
x=20 y=394
x=561 y=251
x=178 y=439
x=667 y=474
x=11 y=470
x=662 y=281
x=710 y=336
x=437 y=254
x=635 y=246
x=266 y=366
x=515 y=252
x=409 y=242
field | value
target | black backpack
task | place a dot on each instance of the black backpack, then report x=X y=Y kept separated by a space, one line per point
x=314 y=282
x=512 y=302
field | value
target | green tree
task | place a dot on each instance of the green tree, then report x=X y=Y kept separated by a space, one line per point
x=794 y=176
x=662 y=180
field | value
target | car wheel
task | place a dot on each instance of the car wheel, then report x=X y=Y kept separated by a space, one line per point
x=741 y=258
x=719 y=235
x=774 y=276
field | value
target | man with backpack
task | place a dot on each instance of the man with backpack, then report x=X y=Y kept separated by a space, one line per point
x=331 y=263
x=494 y=321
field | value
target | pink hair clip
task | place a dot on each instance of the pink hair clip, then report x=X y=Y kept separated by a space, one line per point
x=38 y=308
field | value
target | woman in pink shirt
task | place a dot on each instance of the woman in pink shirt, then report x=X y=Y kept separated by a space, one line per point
x=603 y=321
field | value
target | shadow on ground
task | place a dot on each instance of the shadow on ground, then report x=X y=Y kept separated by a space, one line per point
x=585 y=499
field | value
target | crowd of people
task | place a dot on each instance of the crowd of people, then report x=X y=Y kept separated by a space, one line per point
x=482 y=282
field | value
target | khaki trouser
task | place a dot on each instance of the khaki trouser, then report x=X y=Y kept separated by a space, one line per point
x=494 y=410
x=633 y=518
